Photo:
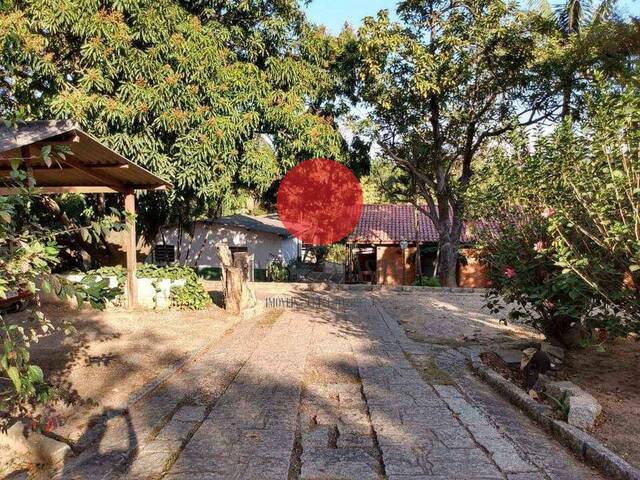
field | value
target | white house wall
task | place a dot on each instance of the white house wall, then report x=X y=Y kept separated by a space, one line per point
x=263 y=245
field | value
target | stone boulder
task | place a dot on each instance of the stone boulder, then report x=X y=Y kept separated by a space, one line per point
x=584 y=409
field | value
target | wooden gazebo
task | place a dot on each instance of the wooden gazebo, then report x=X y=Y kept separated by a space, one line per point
x=92 y=168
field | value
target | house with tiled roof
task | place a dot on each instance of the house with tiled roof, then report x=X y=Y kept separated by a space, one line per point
x=392 y=243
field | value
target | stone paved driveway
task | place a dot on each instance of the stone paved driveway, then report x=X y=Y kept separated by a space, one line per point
x=318 y=394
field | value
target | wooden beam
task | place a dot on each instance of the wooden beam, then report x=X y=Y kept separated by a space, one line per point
x=56 y=190
x=62 y=167
x=99 y=176
x=131 y=244
x=151 y=187
x=65 y=139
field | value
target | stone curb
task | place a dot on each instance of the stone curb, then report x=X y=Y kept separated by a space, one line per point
x=583 y=444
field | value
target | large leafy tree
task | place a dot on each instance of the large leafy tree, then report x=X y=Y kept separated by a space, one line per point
x=442 y=83
x=580 y=23
x=217 y=97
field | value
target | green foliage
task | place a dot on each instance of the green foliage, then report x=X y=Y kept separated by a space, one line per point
x=337 y=253
x=190 y=296
x=525 y=276
x=577 y=244
x=216 y=97
x=561 y=404
x=385 y=183
x=277 y=270
x=596 y=228
x=427 y=282
x=440 y=84
x=28 y=253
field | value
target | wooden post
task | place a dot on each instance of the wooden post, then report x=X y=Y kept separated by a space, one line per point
x=131 y=244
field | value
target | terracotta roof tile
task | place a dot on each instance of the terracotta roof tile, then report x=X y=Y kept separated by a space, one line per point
x=395 y=223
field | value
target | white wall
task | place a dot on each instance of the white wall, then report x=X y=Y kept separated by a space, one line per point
x=262 y=245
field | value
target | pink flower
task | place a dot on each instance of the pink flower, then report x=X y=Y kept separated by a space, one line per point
x=50 y=425
x=539 y=246
x=509 y=272
x=548 y=212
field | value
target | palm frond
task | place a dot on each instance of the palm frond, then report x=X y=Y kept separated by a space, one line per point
x=604 y=11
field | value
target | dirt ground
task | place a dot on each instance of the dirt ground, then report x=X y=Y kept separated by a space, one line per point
x=613 y=377
x=115 y=353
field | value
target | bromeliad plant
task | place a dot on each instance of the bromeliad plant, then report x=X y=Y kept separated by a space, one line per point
x=28 y=253
x=277 y=270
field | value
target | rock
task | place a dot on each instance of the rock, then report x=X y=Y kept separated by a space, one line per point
x=509 y=356
x=526 y=357
x=562 y=388
x=584 y=410
x=552 y=350
x=33 y=446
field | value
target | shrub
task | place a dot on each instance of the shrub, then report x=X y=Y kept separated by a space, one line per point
x=427 y=282
x=337 y=253
x=29 y=251
x=524 y=275
x=570 y=223
x=277 y=270
x=191 y=296
x=596 y=225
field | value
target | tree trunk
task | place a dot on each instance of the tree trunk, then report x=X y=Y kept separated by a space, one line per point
x=237 y=289
x=567 y=91
x=450 y=227
x=448 y=264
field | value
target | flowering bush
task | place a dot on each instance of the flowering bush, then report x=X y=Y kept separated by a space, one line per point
x=524 y=275
x=569 y=250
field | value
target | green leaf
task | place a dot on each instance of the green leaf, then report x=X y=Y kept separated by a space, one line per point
x=35 y=374
x=14 y=375
x=46 y=155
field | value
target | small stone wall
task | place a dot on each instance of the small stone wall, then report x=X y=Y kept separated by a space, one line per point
x=275 y=287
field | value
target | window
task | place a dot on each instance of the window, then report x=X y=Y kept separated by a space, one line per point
x=238 y=250
x=164 y=254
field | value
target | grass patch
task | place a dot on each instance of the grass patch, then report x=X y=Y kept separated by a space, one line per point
x=269 y=318
x=429 y=371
